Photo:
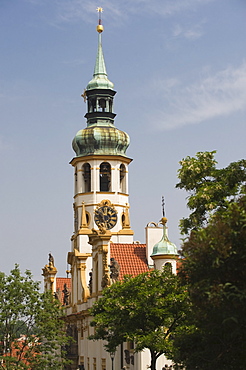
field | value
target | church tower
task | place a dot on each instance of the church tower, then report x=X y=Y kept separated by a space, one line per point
x=101 y=200
x=101 y=164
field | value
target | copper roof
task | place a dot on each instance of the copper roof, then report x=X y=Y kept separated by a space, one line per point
x=130 y=257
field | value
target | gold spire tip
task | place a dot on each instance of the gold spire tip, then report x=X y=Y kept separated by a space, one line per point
x=100 y=26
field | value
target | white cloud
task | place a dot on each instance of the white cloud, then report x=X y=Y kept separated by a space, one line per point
x=190 y=33
x=214 y=96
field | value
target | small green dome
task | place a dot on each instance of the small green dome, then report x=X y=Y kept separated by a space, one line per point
x=100 y=82
x=164 y=246
x=100 y=140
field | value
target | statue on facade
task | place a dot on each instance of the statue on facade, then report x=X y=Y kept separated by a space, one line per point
x=114 y=270
x=51 y=261
x=66 y=295
x=90 y=283
x=105 y=281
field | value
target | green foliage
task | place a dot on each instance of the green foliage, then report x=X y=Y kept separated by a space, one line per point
x=210 y=189
x=146 y=309
x=214 y=267
x=25 y=310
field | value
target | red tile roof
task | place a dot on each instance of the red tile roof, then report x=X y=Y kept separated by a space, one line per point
x=130 y=257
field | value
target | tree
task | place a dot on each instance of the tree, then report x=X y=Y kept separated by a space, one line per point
x=37 y=317
x=214 y=265
x=146 y=309
x=211 y=189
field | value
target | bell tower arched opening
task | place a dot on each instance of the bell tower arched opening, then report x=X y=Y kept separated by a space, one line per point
x=122 y=178
x=86 y=168
x=105 y=176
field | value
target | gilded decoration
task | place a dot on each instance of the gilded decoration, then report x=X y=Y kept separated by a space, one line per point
x=126 y=218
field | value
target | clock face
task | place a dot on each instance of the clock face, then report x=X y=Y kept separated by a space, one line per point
x=106 y=216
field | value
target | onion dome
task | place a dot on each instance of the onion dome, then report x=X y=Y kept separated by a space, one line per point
x=164 y=247
x=101 y=140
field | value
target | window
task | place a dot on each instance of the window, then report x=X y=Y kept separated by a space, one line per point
x=169 y=265
x=91 y=105
x=87 y=215
x=103 y=364
x=123 y=220
x=94 y=363
x=105 y=176
x=122 y=178
x=102 y=105
x=87 y=177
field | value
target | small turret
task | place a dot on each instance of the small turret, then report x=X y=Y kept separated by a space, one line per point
x=164 y=252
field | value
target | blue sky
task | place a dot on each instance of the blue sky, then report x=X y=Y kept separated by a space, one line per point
x=179 y=69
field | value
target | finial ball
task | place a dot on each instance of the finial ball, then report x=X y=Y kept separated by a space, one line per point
x=163 y=221
x=99 y=28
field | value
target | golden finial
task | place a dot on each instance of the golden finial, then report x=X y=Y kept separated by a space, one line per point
x=100 y=26
x=163 y=220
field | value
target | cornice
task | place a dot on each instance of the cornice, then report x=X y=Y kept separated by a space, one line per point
x=87 y=158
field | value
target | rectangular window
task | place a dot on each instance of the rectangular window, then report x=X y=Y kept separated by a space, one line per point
x=103 y=363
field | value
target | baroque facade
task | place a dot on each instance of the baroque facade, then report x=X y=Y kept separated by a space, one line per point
x=102 y=245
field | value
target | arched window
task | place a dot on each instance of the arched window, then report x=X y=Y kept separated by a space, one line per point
x=87 y=177
x=87 y=215
x=123 y=220
x=168 y=265
x=122 y=178
x=105 y=176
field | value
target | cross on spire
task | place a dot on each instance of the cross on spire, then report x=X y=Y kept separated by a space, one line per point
x=163 y=207
x=100 y=26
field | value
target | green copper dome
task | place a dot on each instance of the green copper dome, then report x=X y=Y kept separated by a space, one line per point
x=164 y=247
x=101 y=140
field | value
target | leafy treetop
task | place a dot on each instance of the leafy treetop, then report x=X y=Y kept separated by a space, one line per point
x=31 y=329
x=211 y=189
x=146 y=309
